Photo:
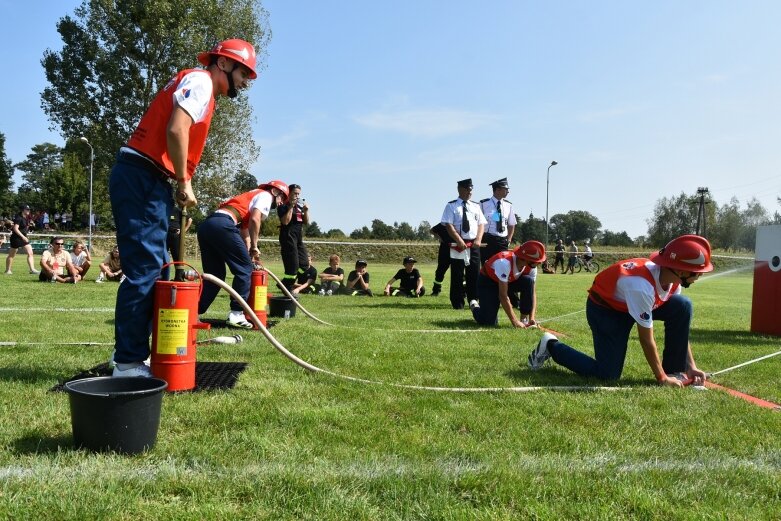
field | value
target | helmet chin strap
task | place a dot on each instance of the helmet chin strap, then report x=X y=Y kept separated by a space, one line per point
x=232 y=92
x=684 y=283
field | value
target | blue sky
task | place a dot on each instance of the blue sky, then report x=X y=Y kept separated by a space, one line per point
x=377 y=108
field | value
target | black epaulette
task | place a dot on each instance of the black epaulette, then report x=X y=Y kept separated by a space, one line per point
x=453 y=201
x=484 y=200
x=508 y=202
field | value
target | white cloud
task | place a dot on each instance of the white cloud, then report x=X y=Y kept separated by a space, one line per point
x=426 y=123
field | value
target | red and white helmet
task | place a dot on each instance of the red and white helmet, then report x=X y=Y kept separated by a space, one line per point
x=687 y=253
x=235 y=49
x=531 y=251
x=279 y=185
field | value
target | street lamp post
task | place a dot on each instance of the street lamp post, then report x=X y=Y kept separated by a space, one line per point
x=91 y=162
x=547 y=190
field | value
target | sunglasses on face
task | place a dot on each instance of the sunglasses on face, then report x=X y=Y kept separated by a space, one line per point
x=59 y=243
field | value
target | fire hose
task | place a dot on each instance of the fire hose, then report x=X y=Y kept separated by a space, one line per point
x=312 y=368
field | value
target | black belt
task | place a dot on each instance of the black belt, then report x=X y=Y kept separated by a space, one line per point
x=147 y=164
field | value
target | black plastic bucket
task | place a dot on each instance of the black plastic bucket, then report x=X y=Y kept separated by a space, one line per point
x=115 y=414
x=283 y=307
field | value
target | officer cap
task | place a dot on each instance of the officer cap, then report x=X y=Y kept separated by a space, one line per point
x=465 y=183
x=501 y=183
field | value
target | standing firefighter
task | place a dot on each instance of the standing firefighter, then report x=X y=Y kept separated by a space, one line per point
x=166 y=146
x=293 y=216
x=230 y=236
x=638 y=291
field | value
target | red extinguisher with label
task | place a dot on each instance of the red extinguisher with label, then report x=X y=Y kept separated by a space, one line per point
x=175 y=328
x=258 y=294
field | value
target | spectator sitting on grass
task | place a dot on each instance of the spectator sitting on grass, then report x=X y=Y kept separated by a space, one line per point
x=56 y=265
x=81 y=258
x=358 y=280
x=411 y=283
x=305 y=280
x=331 y=278
x=111 y=267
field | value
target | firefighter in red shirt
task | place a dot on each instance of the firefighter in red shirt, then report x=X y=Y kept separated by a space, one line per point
x=505 y=272
x=165 y=147
x=638 y=291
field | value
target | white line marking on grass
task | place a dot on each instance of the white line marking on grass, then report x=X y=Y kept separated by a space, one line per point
x=767 y=464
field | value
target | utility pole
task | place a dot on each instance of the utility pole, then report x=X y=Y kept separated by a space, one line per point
x=702 y=192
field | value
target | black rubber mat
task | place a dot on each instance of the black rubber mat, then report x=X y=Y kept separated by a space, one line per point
x=209 y=376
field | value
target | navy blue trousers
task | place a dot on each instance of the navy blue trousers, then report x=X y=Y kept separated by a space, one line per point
x=220 y=242
x=488 y=295
x=141 y=201
x=610 y=330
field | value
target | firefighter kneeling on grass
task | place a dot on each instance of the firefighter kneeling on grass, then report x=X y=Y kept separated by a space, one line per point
x=507 y=271
x=638 y=291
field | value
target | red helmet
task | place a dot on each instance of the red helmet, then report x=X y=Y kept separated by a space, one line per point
x=279 y=185
x=531 y=251
x=235 y=49
x=687 y=253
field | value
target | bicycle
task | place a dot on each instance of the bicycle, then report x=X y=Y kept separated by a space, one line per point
x=590 y=266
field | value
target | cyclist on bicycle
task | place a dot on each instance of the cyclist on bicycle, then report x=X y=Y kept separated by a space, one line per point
x=587 y=255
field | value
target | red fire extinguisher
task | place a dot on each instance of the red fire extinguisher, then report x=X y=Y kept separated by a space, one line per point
x=175 y=330
x=258 y=295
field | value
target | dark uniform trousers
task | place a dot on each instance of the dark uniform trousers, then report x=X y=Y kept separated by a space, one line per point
x=493 y=245
x=443 y=257
x=458 y=272
x=295 y=257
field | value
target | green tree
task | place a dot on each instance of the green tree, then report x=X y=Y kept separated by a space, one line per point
x=423 y=231
x=335 y=233
x=313 y=230
x=532 y=229
x=40 y=173
x=117 y=55
x=361 y=233
x=672 y=217
x=609 y=238
x=382 y=231
x=6 y=181
x=404 y=231
x=577 y=225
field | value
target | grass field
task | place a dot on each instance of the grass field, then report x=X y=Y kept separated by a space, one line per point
x=288 y=444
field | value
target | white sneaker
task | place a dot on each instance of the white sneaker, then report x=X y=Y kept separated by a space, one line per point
x=321 y=292
x=138 y=370
x=541 y=353
x=8 y=272
x=34 y=272
x=474 y=304
x=329 y=292
x=239 y=320
x=100 y=279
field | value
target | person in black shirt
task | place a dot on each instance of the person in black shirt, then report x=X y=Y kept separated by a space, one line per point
x=292 y=217
x=331 y=278
x=411 y=283
x=358 y=280
x=305 y=281
x=19 y=239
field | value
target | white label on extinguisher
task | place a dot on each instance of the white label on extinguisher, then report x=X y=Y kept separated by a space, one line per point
x=172 y=328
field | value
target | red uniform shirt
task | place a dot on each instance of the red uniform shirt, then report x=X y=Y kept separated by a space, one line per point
x=603 y=290
x=150 y=137
x=489 y=269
